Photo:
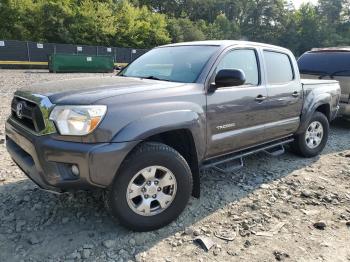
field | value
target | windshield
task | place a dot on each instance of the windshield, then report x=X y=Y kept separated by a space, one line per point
x=325 y=63
x=177 y=63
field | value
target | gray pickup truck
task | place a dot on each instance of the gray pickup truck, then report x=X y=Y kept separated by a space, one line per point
x=144 y=135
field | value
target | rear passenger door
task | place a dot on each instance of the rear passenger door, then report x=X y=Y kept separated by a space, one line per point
x=285 y=96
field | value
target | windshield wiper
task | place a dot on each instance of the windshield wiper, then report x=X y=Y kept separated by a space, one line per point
x=312 y=72
x=154 y=78
x=337 y=72
x=322 y=73
x=331 y=75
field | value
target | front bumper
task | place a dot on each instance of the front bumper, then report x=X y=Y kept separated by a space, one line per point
x=344 y=109
x=48 y=162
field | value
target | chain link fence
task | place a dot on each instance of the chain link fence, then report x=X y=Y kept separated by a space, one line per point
x=13 y=52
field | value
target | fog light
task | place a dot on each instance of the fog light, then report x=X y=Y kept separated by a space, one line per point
x=75 y=170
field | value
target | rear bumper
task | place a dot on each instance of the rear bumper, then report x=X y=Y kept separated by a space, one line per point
x=48 y=162
x=344 y=109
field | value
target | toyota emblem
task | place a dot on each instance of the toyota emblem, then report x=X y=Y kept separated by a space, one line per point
x=19 y=110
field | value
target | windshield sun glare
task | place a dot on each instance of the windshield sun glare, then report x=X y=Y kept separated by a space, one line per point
x=177 y=63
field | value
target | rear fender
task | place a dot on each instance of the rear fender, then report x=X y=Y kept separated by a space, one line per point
x=311 y=103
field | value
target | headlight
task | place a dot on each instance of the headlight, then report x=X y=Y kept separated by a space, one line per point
x=77 y=120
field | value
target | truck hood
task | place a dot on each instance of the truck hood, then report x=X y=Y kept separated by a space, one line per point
x=91 y=89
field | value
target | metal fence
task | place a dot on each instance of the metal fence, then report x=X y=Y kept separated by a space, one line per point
x=32 y=52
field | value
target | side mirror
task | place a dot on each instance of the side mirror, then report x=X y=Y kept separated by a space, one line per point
x=229 y=77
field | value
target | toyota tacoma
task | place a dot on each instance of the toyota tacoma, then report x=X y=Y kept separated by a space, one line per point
x=144 y=135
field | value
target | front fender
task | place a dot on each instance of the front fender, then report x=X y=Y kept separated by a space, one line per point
x=154 y=124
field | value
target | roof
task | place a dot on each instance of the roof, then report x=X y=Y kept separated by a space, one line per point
x=332 y=49
x=225 y=43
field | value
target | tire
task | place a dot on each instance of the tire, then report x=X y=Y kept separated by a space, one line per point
x=301 y=145
x=169 y=164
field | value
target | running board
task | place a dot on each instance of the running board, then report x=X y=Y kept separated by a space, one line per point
x=272 y=148
x=231 y=168
x=275 y=151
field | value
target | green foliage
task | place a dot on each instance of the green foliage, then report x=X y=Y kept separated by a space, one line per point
x=183 y=29
x=271 y=21
x=14 y=20
x=53 y=21
x=139 y=27
x=308 y=30
x=147 y=23
x=94 y=23
x=97 y=22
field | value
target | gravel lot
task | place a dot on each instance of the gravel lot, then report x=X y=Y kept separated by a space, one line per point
x=275 y=208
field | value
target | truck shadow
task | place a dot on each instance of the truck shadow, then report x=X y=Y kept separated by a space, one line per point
x=341 y=123
x=39 y=225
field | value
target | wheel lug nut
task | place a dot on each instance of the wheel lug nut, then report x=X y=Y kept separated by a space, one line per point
x=154 y=196
x=143 y=189
x=159 y=189
x=156 y=182
x=146 y=196
x=149 y=183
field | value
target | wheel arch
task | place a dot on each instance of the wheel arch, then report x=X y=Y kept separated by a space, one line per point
x=324 y=109
x=323 y=106
x=182 y=141
x=183 y=130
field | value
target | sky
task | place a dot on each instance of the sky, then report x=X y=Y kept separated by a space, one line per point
x=297 y=3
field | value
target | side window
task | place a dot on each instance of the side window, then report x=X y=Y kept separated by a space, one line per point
x=278 y=68
x=244 y=59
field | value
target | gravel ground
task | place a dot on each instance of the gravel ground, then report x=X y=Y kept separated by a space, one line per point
x=275 y=208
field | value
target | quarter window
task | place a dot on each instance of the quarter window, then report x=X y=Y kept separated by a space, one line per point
x=278 y=68
x=244 y=59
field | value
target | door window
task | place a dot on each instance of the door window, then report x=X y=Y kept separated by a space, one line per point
x=278 y=68
x=244 y=59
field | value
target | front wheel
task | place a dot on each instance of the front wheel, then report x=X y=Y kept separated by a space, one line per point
x=312 y=141
x=151 y=189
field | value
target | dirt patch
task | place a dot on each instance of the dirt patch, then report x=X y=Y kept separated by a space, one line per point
x=274 y=209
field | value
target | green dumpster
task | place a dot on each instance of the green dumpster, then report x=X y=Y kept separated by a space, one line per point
x=65 y=63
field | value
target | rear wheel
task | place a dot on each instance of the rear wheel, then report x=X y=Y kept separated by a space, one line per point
x=313 y=140
x=151 y=189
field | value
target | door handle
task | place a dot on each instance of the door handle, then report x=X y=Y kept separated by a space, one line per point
x=260 y=98
x=295 y=94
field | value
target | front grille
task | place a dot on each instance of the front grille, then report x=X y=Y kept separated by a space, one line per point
x=29 y=115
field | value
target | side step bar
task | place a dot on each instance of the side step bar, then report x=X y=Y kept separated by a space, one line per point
x=230 y=169
x=275 y=151
x=272 y=148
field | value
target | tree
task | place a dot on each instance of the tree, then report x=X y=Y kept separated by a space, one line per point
x=331 y=10
x=309 y=34
x=16 y=19
x=332 y=14
x=148 y=23
x=94 y=23
x=139 y=27
x=183 y=29
x=54 y=19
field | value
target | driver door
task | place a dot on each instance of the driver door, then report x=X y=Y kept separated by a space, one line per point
x=235 y=114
